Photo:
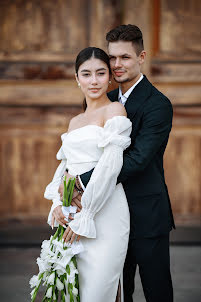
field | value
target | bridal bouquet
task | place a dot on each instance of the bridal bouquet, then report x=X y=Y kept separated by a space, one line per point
x=57 y=261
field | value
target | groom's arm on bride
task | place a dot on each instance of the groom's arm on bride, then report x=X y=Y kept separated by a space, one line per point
x=84 y=178
x=156 y=124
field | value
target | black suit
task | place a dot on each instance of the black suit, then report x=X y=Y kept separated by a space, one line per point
x=142 y=176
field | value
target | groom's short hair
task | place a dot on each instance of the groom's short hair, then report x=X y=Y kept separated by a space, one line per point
x=127 y=33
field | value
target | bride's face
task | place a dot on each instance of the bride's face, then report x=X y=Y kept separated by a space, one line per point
x=93 y=76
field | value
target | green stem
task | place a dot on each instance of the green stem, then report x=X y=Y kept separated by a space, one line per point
x=56 y=233
x=62 y=296
x=57 y=294
x=65 y=192
x=44 y=297
x=71 y=189
x=61 y=235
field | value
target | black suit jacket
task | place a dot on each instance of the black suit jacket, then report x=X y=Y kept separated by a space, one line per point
x=142 y=174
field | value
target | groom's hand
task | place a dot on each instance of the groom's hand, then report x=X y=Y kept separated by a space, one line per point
x=76 y=200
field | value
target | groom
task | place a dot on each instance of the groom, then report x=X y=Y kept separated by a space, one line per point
x=142 y=174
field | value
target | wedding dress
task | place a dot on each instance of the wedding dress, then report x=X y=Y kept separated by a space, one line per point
x=104 y=220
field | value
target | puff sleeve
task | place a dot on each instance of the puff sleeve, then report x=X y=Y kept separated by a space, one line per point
x=114 y=139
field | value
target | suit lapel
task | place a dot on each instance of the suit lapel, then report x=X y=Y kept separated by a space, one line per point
x=137 y=97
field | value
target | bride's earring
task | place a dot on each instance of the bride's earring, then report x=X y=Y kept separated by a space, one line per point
x=78 y=84
x=110 y=82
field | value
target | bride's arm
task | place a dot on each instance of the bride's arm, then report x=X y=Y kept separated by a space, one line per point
x=52 y=191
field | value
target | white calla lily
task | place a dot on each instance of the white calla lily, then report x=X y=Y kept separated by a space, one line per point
x=51 y=278
x=49 y=292
x=34 y=281
x=75 y=291
x=59 y=284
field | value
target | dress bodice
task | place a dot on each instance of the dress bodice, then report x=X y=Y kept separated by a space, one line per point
x=82 y=147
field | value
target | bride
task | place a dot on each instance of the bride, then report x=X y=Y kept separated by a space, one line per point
x=96 y=139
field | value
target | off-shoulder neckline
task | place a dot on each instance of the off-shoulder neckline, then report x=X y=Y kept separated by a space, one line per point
x=91 y=125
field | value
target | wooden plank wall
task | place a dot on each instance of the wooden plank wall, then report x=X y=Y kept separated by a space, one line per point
x=38 y=94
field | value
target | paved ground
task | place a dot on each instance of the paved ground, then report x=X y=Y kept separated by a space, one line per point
x=17 y=265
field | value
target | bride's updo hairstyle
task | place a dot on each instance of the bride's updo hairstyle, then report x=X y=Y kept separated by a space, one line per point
x=87 y=54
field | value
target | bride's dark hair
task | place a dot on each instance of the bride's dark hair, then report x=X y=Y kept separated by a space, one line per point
x=88 y=53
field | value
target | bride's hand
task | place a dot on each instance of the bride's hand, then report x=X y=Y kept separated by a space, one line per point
x=59 y=216
x=70 y=236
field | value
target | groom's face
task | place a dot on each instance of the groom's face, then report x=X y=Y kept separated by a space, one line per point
x=125 y=63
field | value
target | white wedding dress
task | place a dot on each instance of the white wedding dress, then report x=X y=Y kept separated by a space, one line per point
x=104 y=220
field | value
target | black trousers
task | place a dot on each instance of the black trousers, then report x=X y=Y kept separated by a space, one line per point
x=153 y=258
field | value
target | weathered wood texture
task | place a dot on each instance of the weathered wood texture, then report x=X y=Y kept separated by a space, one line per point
x=183 y=165
x=179 y=29
x=40 y=30
x=177 y=56
x=38 y=94
x=30 y=139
